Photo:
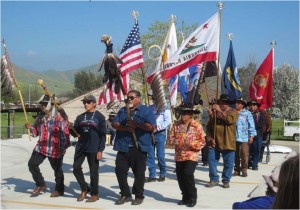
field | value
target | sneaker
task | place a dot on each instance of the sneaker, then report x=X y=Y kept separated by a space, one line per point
x=161 y=178
x=255 y=168
x=236 y=173
x=150 y=179
x=211 y=184
x=226 y=185
x=244 y=174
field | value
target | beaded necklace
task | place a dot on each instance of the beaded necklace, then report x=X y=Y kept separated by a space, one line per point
x=90 y=120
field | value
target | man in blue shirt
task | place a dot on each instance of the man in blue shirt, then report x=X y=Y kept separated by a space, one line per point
x=163 y=120
x=245 y=132
x=132 y=152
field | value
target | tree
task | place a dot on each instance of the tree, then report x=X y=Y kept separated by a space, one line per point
x=246 y=75
x=286 y=92
x=85 y=81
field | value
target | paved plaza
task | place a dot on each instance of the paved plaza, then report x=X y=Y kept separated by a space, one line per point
x=17 y=183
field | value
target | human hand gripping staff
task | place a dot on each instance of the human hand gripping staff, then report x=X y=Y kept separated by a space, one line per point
x=59 y=109
x=131 y=124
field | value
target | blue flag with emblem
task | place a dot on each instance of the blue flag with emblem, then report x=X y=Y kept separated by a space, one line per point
x=230 y=78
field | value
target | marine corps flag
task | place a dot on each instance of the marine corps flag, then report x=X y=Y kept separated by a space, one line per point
x=261 y=88
x=230 y=77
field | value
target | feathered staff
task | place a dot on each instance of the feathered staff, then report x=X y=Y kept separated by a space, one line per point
x=12 y=75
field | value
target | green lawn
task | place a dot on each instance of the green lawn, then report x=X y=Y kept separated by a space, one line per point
x=277 y=131
x=18 y=120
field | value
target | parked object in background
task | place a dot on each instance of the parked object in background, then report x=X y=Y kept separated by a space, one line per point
x=291 y=128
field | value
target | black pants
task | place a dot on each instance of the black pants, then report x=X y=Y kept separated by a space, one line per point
x=185 y=177
x=94 y=171
x=36 y=160
x=135 y=159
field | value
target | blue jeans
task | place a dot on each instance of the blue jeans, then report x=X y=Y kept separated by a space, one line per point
x=213 y=159
x=255 y=149
x=160 y=141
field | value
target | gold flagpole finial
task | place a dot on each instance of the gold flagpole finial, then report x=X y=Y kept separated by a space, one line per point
x=273 y=43
x=135 y=14
x=229 y=36
x=220 y=5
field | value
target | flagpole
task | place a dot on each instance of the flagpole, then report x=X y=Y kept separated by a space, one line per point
x=220 y=5
x=17 y=86
x=273 y=44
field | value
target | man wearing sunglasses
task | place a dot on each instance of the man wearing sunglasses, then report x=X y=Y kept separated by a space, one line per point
x=130 y=154
x=53 y=132
x=91 y=127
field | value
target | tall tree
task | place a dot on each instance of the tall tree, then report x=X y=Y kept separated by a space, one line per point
x=286 y=92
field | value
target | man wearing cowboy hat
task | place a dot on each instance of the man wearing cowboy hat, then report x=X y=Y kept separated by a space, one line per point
x=260 y=121
x=245 y=131
x=188 y=137
x=221 y=135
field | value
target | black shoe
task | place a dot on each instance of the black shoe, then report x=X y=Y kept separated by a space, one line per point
x=123 y=199
x=150 y=179
x=161 y=178
x=191 y=203
x=137 y=201
x=182 y=202
x=255 y=168
x=204 y=164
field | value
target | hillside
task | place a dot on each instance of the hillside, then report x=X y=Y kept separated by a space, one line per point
x=60 y=81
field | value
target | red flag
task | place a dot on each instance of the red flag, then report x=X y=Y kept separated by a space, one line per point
x=261 y=87
x=132 y=57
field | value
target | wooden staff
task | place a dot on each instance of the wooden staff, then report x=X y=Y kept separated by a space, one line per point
x=17 y=86
x=64 y=115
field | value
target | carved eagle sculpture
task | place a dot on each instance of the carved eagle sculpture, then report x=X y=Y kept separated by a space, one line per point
x=111 y=64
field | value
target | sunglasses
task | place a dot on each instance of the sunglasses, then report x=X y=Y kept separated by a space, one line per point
x=131 y=98
x=87 y=102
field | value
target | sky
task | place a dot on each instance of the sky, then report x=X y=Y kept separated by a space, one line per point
x=64 y=35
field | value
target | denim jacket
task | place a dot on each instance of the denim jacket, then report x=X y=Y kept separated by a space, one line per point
x=245 y=126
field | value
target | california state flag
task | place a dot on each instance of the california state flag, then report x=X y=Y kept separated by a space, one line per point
x=261 y=87
x=202 y=45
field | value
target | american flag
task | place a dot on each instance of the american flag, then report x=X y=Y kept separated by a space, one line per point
x=132 y=57
x=132 y=53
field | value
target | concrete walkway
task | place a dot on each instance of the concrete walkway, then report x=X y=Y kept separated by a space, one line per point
x=17 y=183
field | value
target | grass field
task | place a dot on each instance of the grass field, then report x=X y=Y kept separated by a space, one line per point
x=19 y=121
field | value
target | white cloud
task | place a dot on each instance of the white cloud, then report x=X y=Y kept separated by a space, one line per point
x=31 y=53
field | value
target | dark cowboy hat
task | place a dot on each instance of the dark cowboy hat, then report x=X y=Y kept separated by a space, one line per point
x=253 y=101
x=225 y=98
x=89 y=98
x=186 y=108
x=244 y=102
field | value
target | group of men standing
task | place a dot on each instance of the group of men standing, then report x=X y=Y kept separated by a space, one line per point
x=140 y=131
